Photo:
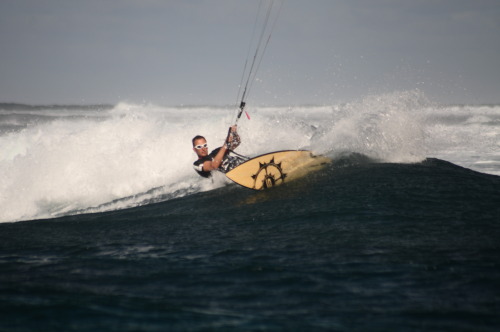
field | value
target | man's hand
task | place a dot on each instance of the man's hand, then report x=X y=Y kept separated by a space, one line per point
x=232 y=130
x=233 y=139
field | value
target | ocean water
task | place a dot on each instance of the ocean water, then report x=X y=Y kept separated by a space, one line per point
x=105 y=225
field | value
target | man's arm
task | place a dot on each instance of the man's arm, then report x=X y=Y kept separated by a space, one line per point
x=210 y=165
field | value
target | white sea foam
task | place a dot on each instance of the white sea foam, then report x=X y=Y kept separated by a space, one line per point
x=95 y=160
x=468 y=136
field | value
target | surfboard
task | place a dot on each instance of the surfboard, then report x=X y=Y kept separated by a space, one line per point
x=274 y=168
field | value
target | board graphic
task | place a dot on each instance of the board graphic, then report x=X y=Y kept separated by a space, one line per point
x=272 y=169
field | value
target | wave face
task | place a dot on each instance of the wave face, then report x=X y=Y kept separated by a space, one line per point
x=357 y=245
x=63 y=160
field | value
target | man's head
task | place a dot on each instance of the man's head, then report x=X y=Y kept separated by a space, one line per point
x=200 y=146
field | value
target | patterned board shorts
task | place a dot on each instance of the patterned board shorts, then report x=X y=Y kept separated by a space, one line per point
x=231 y=162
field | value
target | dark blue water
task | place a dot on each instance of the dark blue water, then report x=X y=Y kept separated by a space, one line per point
x=357 y=246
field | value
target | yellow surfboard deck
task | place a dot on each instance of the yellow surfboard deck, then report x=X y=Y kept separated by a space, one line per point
x=274 y=168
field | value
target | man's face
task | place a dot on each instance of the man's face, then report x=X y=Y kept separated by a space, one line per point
x=203 y=151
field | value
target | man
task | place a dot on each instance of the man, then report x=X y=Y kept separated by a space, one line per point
x=219 y=159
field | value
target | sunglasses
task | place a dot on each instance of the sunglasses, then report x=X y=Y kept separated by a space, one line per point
x=198 y=147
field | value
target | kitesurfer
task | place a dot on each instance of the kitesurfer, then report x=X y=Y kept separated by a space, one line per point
x=219 y=159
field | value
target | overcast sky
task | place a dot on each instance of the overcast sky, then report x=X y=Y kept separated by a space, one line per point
x=193 y=52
